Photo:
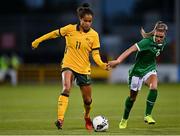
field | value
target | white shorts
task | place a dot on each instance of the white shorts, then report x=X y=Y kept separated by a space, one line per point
x=136 y=82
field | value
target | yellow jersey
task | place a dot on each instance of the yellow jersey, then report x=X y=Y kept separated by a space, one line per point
x=78 y=47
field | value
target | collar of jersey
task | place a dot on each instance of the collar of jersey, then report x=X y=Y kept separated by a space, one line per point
x=78 y=28
x=159 y=45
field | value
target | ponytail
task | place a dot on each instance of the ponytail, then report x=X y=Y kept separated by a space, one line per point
x=159 y=26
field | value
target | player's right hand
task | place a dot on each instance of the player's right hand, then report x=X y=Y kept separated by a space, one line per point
x=113 y=63
x=35 y=44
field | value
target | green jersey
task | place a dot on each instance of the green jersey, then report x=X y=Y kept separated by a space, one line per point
x=148 y=50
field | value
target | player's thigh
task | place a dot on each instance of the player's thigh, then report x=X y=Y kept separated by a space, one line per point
x=152 y=81
x=67 y=78
x=135 y=83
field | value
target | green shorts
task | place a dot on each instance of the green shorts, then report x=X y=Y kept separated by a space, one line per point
x=80 y=79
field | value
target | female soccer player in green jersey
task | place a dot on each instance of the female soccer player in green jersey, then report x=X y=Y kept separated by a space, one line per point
x=81 y=41
x=144 y=69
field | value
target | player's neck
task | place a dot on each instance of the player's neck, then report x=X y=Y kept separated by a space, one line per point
x=83 y=30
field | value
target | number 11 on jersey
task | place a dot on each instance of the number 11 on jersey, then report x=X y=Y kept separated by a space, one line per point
x=78 y=45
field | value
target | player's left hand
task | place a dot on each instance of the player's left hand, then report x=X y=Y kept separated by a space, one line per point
x=108 y=67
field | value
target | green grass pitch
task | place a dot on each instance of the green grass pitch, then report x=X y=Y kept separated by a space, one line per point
x=32 y=110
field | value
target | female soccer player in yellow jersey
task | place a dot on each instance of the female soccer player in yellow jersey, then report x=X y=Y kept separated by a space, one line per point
x=81 y=40
x=144 y=69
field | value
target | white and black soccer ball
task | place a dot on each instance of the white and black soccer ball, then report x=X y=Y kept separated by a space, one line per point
x=100 y=123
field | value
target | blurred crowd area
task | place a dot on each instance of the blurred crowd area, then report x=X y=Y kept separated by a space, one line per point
x=117 y=21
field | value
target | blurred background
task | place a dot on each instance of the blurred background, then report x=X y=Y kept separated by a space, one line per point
x=118 y=23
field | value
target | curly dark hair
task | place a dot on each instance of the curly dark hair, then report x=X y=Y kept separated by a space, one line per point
x=83 y=10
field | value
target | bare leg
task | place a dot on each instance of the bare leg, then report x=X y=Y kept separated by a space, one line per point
x=86 y=94
x=67 y=78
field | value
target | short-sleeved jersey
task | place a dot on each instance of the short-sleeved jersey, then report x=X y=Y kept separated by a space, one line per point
x=78 y=47
x=148 y=50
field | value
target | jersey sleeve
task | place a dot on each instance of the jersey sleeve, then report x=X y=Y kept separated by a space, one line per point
x=96 y=43
x=143 y=44
x=63 y=31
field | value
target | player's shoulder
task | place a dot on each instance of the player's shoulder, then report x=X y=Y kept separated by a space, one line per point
x=71 y=26
x=146 y=40
x=94 y=32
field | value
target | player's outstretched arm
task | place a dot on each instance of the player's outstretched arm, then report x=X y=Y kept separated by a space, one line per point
x=97 y=59
x=51 y=35
x=123 y=56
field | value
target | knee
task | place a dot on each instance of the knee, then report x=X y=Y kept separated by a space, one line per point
x=133 y=99
x=133 y=95
x=153 y=86
x=66 y=89
x=87 y=101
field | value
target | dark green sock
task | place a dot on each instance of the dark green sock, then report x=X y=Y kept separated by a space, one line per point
x=128 y=106
x=150 y=101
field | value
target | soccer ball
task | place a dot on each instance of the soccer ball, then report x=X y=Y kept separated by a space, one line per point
x=100 y=123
